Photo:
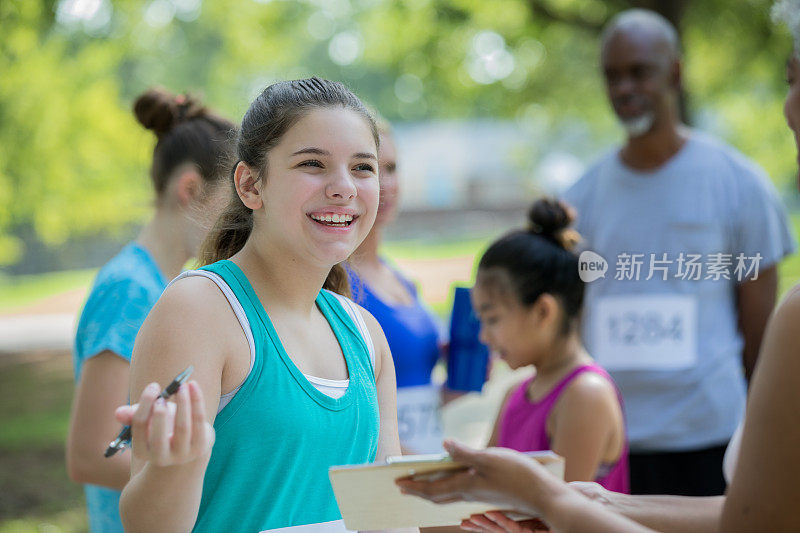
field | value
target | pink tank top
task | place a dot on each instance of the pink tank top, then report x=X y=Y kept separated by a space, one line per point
x=523 y=427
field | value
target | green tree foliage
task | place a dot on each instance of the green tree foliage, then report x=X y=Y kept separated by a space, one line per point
x=73 y=161
x=71 y=155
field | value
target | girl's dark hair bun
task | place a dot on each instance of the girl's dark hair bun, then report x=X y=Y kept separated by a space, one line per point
x=551 y=219
x=160 y=111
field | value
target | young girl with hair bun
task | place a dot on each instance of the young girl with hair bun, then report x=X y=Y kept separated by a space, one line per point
x=192 y=142
x=528 y=296
x=290 y=376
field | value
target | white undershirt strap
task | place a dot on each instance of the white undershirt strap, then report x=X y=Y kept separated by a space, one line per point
x=350 y=307
x=332 y=387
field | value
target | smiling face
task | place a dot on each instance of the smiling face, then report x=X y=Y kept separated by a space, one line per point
x=320 y=192
x=642 y=77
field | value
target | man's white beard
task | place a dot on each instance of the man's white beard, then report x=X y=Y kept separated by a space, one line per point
x=636 y=127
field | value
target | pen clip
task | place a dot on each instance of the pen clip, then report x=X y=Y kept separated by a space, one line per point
x=176 y=383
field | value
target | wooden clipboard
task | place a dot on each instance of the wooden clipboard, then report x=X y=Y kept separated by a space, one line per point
x=369 y=499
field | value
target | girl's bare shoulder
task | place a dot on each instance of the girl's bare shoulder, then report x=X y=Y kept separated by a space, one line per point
x=195 y=305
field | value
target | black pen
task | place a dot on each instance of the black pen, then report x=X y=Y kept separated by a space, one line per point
x=123 y=440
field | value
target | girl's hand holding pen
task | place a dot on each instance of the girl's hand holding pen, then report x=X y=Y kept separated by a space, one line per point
x=162 y=438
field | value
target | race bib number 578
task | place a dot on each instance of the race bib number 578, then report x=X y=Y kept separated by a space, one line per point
x=645 y=332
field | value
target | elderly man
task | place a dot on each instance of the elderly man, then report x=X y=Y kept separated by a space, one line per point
x=692 y=232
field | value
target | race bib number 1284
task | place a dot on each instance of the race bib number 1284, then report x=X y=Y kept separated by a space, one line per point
x=645 y=332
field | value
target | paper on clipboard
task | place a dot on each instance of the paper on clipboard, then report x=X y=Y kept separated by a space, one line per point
x=369 y=499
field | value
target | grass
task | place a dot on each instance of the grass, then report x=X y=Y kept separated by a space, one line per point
x=35 y=493
x=35 y=402
x=426 y=249
x=68 y=521
x=18 y=291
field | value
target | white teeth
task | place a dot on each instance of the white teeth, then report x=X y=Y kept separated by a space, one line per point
x=334 y=218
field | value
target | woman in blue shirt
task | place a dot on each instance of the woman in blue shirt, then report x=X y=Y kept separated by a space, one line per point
x=411 y=330
x=191 y=143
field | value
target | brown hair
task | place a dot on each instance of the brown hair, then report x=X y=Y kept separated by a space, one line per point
x=187 y=132
x=267 y=119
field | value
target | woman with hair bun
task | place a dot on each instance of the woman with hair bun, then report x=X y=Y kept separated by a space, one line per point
x=528 y=297
x=290 y=376
x=191 y=144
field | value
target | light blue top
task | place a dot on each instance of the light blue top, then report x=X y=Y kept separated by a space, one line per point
x=279 y=435
x=707 y=199
x=124 y=291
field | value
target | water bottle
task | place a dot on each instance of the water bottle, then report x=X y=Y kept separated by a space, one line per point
x=468 y=358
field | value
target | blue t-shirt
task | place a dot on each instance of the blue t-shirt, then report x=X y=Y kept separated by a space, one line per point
x=411 y=332
x=663 y=320
x=124 y=291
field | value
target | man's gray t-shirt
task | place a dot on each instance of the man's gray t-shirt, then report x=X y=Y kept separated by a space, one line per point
x=664 y=320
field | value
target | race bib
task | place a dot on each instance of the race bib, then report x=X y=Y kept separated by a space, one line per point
x=418 y=418
x=645 y=332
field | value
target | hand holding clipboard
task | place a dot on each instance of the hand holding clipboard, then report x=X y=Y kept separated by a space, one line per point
x=467 y=481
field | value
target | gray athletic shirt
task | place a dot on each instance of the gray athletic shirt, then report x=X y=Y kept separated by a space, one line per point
x=671 y=342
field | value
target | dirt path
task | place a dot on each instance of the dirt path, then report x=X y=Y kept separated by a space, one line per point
x=68 y=302
x=436 y=276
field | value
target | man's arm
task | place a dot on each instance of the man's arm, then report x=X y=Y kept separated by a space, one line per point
x=755 y=300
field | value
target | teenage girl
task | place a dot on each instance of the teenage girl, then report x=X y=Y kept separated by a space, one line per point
x=186 y=173
x=528 y=297
x=290 y=377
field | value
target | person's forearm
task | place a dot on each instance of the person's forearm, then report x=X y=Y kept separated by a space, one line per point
x=163 y=498
x=571 y=512
x=669 y=514
x=566 y=510
x=94 y=469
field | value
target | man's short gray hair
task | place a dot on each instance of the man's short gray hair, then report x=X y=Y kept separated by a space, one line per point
x=643 y=18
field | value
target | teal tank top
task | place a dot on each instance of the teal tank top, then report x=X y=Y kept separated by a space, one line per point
x=278 y=436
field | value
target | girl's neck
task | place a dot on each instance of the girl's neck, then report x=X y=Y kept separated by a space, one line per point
x=280 y=280
x=567 y=354
x=366 y=255
x=163 y=238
